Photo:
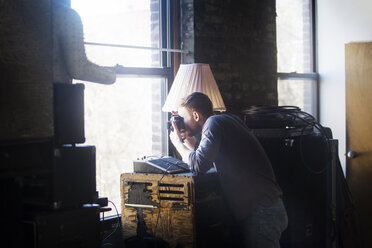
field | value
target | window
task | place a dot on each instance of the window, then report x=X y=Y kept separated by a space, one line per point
x=124 y=120
x=297 y=79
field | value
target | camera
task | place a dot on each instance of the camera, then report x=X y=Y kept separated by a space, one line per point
x=179 y=122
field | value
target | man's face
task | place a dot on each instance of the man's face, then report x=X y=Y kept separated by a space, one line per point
x=192 y=126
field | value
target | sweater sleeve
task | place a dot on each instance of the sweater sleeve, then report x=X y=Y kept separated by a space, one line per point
x=72 y=43
x=205 y=155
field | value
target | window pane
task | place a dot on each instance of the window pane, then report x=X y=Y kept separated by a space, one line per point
x=294 y=36
x=125 y=122
x=129 y=22
x=110 y=56
x=300 y=93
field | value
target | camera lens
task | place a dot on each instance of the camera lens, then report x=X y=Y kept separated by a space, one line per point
x=179 y=122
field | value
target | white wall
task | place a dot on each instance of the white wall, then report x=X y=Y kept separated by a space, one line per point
x=338 y=22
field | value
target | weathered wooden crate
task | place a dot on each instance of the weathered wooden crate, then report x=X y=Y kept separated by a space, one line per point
x=163 y=205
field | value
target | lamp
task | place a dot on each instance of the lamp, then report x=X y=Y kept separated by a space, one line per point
x=193 y=78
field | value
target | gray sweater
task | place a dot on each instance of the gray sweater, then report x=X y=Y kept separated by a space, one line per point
x=245 y=172
x=69 y=58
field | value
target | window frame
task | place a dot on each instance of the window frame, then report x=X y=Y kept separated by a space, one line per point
x=167 y=16
x=308 y=76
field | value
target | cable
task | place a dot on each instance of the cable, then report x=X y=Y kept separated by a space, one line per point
x=290 y=117
x=321 y=130
x=116 y=228
x=153 y=156
x=275 y=117
x=157 y=218
x=261 y=109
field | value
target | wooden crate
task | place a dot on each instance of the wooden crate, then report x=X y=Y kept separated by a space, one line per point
x=163 y=205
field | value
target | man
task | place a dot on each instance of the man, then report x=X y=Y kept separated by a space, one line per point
x=69 y=58
x=245 y=173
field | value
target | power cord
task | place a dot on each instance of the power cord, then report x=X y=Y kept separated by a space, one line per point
x=157 y=218
x=116 y=228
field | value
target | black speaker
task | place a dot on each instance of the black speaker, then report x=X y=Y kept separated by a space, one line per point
x=68 y=182
x=301 y=166
x=75 y=176
x=69 y=113
x=75 y=228
x=11 y=213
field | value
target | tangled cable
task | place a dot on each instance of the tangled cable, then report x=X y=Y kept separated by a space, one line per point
x=289 y=117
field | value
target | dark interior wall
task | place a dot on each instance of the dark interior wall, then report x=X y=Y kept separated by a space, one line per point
x=26 y=92
x=237 y=38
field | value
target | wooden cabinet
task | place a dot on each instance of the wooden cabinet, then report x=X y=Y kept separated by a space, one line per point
x=183 y=210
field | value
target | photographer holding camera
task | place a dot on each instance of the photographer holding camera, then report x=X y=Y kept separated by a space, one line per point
x=245 y=172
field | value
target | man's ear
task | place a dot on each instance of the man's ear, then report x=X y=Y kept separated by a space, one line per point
x=196 y=115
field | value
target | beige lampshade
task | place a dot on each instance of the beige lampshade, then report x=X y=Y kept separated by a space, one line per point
x=193 y=78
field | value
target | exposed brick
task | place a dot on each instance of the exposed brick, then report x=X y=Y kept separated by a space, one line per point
x=154 y=6
x=154 y=26
x=156 y=129
x=156 y=118
x=156 y=138
x=156 y=149
x=155 y=37
x=155 y=17
x=238 y=40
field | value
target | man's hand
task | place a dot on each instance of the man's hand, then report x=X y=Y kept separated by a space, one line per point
x=176 y=136
x=182 y=135
x=189 y=141
x=177 y=139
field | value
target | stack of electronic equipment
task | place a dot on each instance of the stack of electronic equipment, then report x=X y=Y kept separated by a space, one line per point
x=51 y=182
x=160 y=165
x=299 y=149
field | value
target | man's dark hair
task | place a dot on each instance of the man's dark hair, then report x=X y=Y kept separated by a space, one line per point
x=199 y=102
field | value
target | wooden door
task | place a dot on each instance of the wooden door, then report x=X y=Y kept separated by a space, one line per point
x=358 y=60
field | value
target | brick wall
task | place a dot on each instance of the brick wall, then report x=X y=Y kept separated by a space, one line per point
x=237 y=39
x=26 y=90
x=307 y=36
x=187 y=30
x=309 y=89
x=156 y=86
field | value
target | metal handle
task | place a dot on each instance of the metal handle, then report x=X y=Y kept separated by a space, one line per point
x=351 y=154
